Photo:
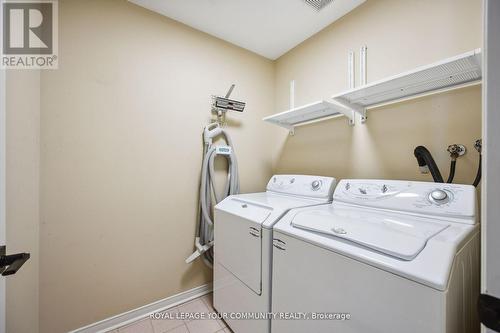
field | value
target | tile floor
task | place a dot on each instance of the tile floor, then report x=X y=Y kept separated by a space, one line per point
x=199 y=305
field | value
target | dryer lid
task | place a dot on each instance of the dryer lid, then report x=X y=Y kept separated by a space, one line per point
x=403 y=237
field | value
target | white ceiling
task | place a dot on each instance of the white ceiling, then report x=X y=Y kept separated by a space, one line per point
x=267 y=27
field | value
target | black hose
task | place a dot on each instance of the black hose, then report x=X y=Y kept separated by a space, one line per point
x=478 y=174
x=453 y=165
x=425 y=159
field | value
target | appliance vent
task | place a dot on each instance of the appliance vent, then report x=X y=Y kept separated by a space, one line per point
x=318 y=4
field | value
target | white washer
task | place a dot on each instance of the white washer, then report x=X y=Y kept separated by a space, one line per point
x=397 y=256
x=243 y=244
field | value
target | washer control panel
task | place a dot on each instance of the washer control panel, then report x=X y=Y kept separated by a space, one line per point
x=303 y=185
x=443 y=199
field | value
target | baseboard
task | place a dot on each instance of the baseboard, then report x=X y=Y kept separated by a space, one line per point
x=144 y=311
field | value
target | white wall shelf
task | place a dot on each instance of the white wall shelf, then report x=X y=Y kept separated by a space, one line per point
x=308 y=113
x=451 y=73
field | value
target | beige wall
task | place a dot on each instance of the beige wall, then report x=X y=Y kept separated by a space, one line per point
x=120 y=141
x=121 y=150
x=22 y=206
x=400 y=35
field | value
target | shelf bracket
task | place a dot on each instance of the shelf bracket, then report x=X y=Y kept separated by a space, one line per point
x=290 y=128
x=350 y=120
x=364 y=117
x=349 y=113
x=353 y=108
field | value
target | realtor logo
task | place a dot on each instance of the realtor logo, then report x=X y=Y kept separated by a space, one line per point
x=29 y=38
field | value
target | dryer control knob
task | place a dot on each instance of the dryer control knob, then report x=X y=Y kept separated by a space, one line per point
x=316 y=185
x=439 y=195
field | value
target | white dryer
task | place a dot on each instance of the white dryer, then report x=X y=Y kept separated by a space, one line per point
x=384 y=257
x=243 y=246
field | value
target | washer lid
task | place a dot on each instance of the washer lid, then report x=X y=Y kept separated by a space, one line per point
x=403 y=237
x=247 y=210
x=272 y=206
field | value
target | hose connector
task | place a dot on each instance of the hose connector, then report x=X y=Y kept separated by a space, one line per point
x=478 y=145
x=456 y=150
x=210 y=132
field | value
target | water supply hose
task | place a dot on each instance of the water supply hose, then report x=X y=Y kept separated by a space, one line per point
x=453 y=165
x=479 y=147
x=455 y=150
x=478 y=174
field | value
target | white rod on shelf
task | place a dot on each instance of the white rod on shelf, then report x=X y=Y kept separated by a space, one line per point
x=292 y=94
x=362 y=65
x=362 y=74
x=350 y=69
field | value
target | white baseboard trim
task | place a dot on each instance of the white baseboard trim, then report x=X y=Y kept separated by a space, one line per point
x=144 y=311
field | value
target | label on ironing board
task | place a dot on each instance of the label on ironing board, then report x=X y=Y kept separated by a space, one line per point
x=223 y=150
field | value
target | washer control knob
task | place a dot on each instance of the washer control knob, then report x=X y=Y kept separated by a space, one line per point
x=439 y=195
x=316 y=185
x=339 y=231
